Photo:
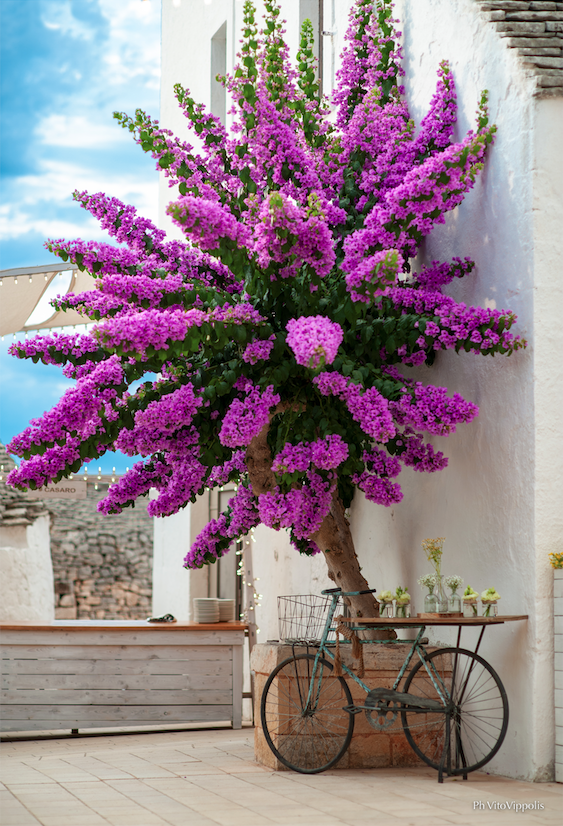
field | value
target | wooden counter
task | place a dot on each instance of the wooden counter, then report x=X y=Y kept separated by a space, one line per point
x=418 y=622
x=70 y=674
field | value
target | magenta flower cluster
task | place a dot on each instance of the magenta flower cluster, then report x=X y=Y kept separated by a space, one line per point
x=368 y=407
x=324 y=454
x=214 y=540
x=246 y=417
x=373 y=274
x=302 y=509
x=314 y=340
x=258 y=350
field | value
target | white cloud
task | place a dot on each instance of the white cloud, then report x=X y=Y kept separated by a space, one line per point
x=59 y=16
x=35 y=201
x=132 y=51
x=77 y=130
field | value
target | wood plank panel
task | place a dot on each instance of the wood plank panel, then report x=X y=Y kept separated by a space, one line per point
x=111 y=625
x=78 y=677
x=210 y=668
x=59 y=636
x=46 y=718
x=106 y=697
x=115 y=652
x=118 y=682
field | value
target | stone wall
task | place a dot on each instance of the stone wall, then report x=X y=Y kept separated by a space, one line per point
x=102 y=564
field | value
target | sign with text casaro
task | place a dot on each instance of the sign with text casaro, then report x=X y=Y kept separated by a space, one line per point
x=67 y=489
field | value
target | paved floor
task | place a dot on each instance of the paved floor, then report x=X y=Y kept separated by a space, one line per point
x=209 y=777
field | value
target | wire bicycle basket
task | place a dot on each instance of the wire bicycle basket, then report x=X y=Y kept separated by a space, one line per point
x=302 y=618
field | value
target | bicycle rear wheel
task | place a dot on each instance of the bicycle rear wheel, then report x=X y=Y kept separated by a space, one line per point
x=307 y=734
x=470 y=730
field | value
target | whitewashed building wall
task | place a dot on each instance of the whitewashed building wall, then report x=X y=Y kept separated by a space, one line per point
x=499 y=502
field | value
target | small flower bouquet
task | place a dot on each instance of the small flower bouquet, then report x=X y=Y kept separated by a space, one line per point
x=428 y=581
x=402 y=603
x=433 y=548
x=489 y=600
x=556 y=560
x=454 y=602
x=470 y=598
x=386 y=604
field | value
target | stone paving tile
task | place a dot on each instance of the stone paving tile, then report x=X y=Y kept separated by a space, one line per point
x=97 y=769
x=153 y=800
x=111 y=805
x=133 y=765
x=13 y=812
x=61 y=819
x=208 y=802
x=162 y=756
x=18 y=772
x=58 y=770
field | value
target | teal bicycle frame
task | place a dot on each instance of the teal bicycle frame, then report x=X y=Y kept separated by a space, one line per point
x=324 y=651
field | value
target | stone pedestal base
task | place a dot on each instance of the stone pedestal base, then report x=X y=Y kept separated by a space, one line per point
x=369 y=748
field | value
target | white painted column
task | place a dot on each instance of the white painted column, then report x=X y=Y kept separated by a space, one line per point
x=26 y=572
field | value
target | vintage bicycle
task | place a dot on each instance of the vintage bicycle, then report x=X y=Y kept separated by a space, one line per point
x=453 y=706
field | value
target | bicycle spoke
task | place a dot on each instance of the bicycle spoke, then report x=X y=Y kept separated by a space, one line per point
x=478 y=707
x=303 y=716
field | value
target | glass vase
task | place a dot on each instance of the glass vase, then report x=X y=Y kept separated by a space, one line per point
x=490 y=609
x=403 y=611
x=470 y=608
x=441 y=596
x=386 y=609
x=454 y=603
x=430 y=604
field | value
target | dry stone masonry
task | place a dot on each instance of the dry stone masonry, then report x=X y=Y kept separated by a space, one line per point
x=102 y=565
x=535 y=29
x=17 y=509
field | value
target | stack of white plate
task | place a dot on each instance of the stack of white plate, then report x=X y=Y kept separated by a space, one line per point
x=206 y=610
x=226 y=610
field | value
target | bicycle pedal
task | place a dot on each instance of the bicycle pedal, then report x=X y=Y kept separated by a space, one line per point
x=353 y=709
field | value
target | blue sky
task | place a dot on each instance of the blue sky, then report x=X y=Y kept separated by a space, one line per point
x=66 y=66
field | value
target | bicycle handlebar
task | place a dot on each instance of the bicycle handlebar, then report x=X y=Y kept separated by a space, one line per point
x=342 y=593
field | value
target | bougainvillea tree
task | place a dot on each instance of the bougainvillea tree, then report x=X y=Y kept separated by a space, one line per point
x=278 y=329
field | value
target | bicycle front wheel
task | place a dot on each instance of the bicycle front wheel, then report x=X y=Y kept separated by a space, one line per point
x=303 y=715
x=470 y=730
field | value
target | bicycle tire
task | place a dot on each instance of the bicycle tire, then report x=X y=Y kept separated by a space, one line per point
x=477 y=712
x=306 y=740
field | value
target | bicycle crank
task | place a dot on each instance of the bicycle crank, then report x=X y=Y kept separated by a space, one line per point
x=382 y=705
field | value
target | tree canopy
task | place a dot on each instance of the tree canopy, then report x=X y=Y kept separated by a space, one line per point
x=278 y=329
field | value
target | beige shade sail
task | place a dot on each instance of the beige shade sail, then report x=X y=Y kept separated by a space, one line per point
x=22 y=289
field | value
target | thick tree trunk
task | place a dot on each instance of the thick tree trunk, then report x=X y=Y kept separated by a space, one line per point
x=334 y=537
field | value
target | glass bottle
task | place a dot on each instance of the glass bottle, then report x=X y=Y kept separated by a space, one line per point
x=402 y=610
x=430 y=603
x=454 y=602
x=470 y=608
x=441 y=596
x=490 y=609
x=386 y=609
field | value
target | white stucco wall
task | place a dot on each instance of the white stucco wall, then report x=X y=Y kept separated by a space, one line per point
x=26 y=573
x=173 y=587
x=499 y=502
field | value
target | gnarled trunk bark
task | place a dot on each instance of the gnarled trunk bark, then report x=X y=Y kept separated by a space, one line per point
x=334 y=537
